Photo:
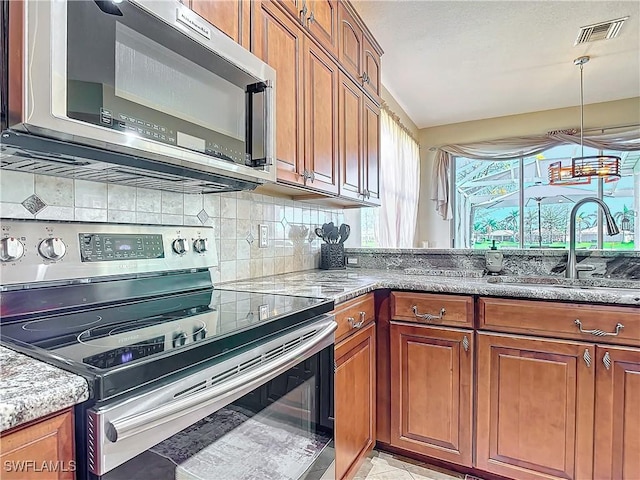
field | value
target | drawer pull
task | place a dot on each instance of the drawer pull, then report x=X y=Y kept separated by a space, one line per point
x=465 y=343
x=587 y=357
x=354 y=324
x=428 y=316
x=597 y=332
x=607 y=360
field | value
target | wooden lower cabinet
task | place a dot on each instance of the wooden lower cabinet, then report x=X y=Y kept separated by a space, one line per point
x=431 y=391
x=535 y=407
x=355 y=401
x=40 y=451
x=617 y=418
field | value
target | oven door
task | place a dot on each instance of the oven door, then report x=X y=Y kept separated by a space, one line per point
x=262 y=414
x=148 y=78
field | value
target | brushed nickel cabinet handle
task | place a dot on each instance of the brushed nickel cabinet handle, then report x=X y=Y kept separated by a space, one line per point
x=303 y=12
x=311 y=18
x=428 y=316
x=606 y=360
x=353 y=323
x=587 y=357
x=312 y=176
x=597 y=332
x=465 y=343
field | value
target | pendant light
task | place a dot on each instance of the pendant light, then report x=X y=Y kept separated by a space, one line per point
x=607 y=166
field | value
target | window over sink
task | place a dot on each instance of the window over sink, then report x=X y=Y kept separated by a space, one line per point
x=488 y=205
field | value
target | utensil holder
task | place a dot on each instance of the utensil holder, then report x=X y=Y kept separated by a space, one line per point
x=332 y=256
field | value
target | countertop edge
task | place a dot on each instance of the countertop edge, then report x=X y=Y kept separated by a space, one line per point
x=31 y=389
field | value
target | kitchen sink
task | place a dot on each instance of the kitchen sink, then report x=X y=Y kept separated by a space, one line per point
x=561 y=282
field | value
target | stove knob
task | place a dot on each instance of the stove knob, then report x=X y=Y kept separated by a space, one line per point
x=180 y=246
x=199 y=333
x=52 y=248
x=10 y=249
x=179 y=339
x=200 y=245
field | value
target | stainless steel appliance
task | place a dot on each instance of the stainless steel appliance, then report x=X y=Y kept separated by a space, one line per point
x=181 y=374
x=149 y=81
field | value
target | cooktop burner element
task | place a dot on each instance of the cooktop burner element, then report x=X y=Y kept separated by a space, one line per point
x=71 y=323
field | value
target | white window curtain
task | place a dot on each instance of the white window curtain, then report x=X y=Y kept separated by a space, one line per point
x=399 y=184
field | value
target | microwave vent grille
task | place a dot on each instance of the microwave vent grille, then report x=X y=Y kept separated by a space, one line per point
x=124 y=170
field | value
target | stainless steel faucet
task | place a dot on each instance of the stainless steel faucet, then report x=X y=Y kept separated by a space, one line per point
x=612 y=229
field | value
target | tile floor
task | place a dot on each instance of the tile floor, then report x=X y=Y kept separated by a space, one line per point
x=387 y=466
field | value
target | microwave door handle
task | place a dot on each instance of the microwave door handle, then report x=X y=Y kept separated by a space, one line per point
x=121 y=428
x=269 y=124
x=258 y=124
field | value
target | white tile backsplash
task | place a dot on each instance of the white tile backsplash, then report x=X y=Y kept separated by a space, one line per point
x=91 y=195
x=55 y=190
x=148 y=200
x=16 y=186
x=232 y=216
x=121 y=197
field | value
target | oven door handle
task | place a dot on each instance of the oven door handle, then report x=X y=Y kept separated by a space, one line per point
x=119 y=429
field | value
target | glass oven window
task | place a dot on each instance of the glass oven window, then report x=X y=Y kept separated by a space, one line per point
x=280 y=430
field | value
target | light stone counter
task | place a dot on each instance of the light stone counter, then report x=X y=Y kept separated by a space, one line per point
x=342 y=285
x=30 y=389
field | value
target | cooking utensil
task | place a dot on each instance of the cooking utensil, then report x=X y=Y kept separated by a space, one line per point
x=345 y=230
x=320 y=233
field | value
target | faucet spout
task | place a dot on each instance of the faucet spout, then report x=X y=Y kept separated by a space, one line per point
x=612 y=229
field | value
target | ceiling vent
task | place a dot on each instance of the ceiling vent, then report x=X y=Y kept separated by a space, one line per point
x=600 y=31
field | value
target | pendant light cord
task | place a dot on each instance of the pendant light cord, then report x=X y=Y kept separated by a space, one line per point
x=581 y=112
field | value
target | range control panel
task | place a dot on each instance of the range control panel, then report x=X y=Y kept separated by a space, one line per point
x=40 y=251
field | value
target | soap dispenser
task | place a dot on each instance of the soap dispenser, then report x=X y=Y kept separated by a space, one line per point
x=493 y=259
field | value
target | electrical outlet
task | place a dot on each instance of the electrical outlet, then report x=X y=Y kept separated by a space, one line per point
x=352 y=260
x=263 y=236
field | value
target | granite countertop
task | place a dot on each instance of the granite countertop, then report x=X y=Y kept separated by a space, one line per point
x=30 y=389
x=342 y=285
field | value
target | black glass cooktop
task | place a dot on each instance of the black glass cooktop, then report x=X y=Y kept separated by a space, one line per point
x=119 y=347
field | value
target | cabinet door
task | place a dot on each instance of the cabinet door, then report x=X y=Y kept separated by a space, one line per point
x=322 y=22
x=371 y=64
x=47 y=442
x=321 y=119
x=350 y=138
x=355 y=408
x=617 y=432
x=349 y=43
x=535 y=407
x=371 y=154
x=294 y=7
x=227 y=16
x=279 y=42
x=431 y=391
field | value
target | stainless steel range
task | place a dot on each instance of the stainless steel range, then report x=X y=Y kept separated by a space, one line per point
x=181 y=374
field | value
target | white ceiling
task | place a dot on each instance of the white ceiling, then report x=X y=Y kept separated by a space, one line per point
x=455 y=61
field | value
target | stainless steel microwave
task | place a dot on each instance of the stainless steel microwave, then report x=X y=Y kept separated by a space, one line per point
x=150 y=79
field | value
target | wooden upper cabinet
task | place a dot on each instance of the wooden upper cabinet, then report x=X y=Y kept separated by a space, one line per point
x=47 y=441
x=431 y=390
x=350 y=107
x=349 y=43
x=355 y=400
x=371 y=64
x=321 y=119
x=371 y=154
x=278 y=41
x=535 y=406
x=617 y=430
x=294 y=7
x=230 y=16
x=322 y=21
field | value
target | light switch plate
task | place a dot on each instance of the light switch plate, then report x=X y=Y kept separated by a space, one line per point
x=263 y=236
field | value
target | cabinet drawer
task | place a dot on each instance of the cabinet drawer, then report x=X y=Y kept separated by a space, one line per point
x=350 y=314
x=454 y=310
x=601 y=323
